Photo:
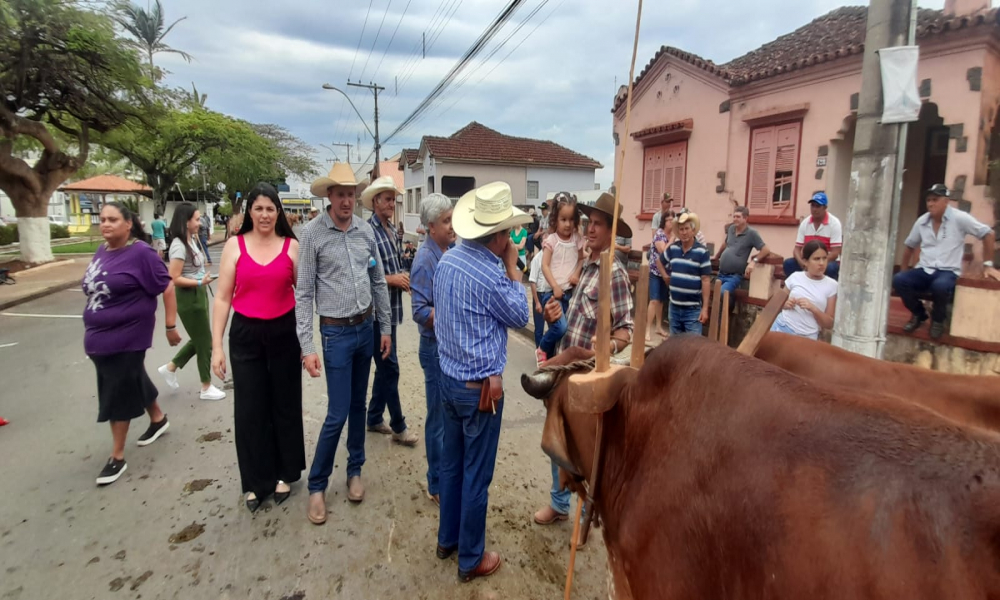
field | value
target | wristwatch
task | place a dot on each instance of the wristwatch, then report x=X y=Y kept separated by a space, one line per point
x=988 y=264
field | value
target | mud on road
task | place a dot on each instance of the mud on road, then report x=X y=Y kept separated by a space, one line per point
x=174 y=525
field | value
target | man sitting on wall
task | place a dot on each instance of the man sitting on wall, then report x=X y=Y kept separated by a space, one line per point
x=822 y=226
x=734 y=254
x=939 y=234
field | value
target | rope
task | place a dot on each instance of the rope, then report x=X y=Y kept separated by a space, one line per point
x=579 y=365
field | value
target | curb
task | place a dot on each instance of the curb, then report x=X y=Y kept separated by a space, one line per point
x=52 y=289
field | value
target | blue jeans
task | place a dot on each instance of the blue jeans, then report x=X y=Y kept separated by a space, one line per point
x=470 y=454
x=539 y=318
x=204 y=246
x=347 y=360
x=684 y=319
x=941 y=285
x=730 y=283
x=792 y=266
x=560 y=498
x=385 y=388
x=558 y=329
x=434 y=424
x=781 y=327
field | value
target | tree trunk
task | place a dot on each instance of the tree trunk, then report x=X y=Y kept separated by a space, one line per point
x=32 y=224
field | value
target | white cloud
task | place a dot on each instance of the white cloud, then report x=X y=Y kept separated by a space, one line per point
x=265 y=61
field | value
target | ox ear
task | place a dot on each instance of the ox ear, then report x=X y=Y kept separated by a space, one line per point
x=554 y=441
x=597 y=393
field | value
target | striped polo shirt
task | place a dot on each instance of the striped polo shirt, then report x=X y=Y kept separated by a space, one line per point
x=829 y=232
x=686 y=270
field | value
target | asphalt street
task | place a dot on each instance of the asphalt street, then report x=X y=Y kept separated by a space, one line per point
x=174 y=525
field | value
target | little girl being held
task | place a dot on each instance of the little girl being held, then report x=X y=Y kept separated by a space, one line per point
x=562 y=260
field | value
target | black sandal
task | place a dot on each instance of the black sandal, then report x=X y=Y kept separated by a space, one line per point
x=280 y=497
x=252 y=503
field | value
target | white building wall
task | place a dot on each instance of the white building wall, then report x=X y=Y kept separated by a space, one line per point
x=552 y=180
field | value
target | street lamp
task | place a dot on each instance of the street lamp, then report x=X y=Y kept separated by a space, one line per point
x=327 y=86
x=376 y=89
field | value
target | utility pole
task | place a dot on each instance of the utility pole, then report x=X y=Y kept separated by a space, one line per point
x=876 y=177
x=376 y=89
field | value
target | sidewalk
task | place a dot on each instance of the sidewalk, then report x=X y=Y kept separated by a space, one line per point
x=56 y=276
x=42 y=281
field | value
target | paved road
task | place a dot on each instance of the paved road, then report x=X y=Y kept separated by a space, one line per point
x=63 y=537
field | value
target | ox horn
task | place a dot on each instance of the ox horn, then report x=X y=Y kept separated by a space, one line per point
x=538 y=385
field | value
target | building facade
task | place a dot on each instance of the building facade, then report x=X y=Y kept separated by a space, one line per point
x=769 y=128
x=476 y=154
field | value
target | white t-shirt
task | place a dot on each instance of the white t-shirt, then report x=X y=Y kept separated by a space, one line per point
x=817 y=291
x=535 y=274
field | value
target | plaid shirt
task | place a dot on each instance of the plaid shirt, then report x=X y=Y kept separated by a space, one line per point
x=581 y=318
x=389 y=250
x=337 y=277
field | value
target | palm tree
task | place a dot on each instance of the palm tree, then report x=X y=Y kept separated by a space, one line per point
x=195 y=98
x=147 y=27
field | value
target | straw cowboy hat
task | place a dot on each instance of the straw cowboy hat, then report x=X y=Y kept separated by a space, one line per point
x=340 y=174
x=382 y=184
x=487 y=210
x=687 y=217
x=606 y=204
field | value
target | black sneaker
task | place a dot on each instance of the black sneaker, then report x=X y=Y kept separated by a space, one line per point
x=154 y=431
x=914 y=324
x=937 y=329
x=111 y=471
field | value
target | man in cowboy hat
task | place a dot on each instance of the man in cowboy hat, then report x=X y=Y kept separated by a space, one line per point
x=581 y=316
x=380 y=198
x=690 y=267
x=340 y=273
x=477 y=297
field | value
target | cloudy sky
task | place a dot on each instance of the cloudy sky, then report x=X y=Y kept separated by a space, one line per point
x=555 y=78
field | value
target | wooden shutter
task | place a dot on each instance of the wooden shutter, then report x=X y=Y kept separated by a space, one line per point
x=663 y=171
x=673 y=171
x=652 y=186
x=761 y=183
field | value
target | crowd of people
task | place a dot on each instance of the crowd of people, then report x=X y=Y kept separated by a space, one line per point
x=352 y=274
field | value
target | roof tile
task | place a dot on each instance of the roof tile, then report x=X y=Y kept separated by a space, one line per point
x=477 y=143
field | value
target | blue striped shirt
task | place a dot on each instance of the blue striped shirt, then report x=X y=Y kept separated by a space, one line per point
x=686 y=270
x=474 y=305
x=422 y=285
x=389 y=251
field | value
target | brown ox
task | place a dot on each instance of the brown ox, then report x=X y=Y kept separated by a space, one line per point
x=726 y=477
x=972 y=399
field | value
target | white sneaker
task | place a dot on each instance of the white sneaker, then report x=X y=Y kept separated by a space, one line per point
x=212 y=393
x=169 y=377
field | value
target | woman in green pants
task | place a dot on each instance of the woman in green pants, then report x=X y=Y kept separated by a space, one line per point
x=187 y=268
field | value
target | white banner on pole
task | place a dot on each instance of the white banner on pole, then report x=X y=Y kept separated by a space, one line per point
x=901 y=97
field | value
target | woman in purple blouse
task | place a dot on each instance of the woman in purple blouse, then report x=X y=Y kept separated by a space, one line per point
x=122 y=283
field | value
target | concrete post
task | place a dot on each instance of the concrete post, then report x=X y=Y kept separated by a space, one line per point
x=869 y=242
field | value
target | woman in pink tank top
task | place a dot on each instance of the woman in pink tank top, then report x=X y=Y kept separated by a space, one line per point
x=257 y=278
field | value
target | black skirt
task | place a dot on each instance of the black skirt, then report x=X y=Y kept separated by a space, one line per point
x=124 y=389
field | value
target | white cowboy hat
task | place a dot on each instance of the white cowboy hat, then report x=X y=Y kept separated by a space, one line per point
x=340 y=174
x=382 y=184
x=487 y=210
x=685 y=217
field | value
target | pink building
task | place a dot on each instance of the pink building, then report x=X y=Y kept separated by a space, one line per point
x=771 y=127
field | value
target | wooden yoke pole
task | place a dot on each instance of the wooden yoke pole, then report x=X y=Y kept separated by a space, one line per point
x=603 y=347
x=641 y=312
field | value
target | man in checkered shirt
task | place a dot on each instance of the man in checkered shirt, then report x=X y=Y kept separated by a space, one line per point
x=380 y=198
x=581 y=317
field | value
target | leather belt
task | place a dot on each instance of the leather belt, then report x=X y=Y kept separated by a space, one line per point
x=474 y=385
x=349 y=321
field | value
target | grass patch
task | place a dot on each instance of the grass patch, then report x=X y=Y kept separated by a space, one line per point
x=79 y=248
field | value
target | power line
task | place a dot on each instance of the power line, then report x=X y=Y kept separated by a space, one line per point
x=466 y=58
x=499 y=46
x=353 y=62
x=386 y=51
x=375 y=41
x=434 y=35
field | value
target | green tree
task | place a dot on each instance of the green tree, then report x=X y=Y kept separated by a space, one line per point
x=170 y=138
x=148 y=31
x=61 y=67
